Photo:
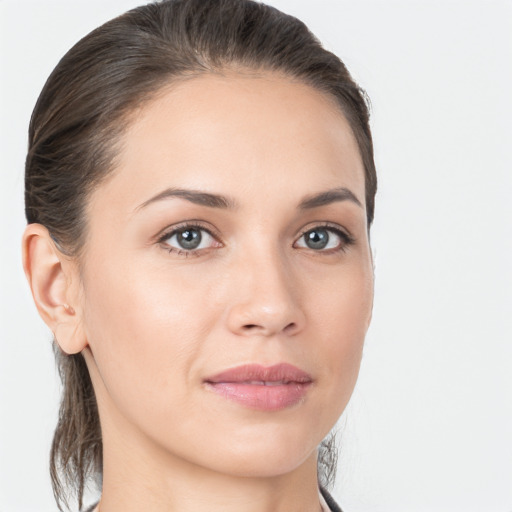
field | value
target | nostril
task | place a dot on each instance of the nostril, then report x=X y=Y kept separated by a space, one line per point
x=290 y=327
x=254 y=327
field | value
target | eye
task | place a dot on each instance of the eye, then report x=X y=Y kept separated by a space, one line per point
x=325 y=238
x=188 y=239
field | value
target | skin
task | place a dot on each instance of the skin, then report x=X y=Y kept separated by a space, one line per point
x=153 y=324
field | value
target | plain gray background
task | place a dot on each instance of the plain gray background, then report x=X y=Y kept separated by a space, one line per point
x=429 y=427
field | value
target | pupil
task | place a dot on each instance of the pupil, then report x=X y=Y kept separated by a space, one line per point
x=189 y=239
x=317 y=239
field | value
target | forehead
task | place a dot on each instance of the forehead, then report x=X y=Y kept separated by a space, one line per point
x=239 y=132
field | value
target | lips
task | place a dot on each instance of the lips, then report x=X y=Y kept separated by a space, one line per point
x=270 y=388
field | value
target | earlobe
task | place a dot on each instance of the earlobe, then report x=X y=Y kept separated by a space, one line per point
x=53 y=280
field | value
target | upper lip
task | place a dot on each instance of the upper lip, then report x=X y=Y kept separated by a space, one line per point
x=254 y=373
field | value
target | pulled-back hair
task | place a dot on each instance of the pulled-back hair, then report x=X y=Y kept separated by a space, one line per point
x=83 y=111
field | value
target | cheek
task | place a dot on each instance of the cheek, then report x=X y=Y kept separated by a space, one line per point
x=342 y=317
x=341 y=304
x=142 y=330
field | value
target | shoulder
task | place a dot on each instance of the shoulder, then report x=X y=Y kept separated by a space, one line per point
x=330 y=501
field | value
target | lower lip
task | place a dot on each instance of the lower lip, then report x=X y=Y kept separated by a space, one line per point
x=263 y=398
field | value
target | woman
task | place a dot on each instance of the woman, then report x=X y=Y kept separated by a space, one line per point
x=199 y=191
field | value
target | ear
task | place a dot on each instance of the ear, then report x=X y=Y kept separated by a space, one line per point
x=54 y=282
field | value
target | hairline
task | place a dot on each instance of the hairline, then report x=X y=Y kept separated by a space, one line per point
x=128 y=116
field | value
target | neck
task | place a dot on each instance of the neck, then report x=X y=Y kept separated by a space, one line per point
x=133 y=483
x=138 y=475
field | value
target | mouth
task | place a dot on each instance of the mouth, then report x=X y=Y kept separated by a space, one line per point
x=263 y=388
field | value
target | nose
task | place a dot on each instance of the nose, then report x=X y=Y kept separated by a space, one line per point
x=267 y=300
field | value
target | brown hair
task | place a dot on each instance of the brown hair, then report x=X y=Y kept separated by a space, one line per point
x=80 y=117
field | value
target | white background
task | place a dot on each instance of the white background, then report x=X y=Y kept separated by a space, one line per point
x=429 y=427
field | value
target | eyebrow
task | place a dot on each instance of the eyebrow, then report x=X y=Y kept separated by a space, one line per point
x=194 y=196
x=329 y=196
x=224 y=202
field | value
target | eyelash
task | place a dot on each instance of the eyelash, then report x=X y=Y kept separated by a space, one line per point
x=179 y=229
x=346 y=239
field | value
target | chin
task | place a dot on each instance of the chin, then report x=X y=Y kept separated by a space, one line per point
x=262 y=456
x=266 y=466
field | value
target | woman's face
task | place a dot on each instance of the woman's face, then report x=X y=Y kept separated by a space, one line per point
x=232 y=233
